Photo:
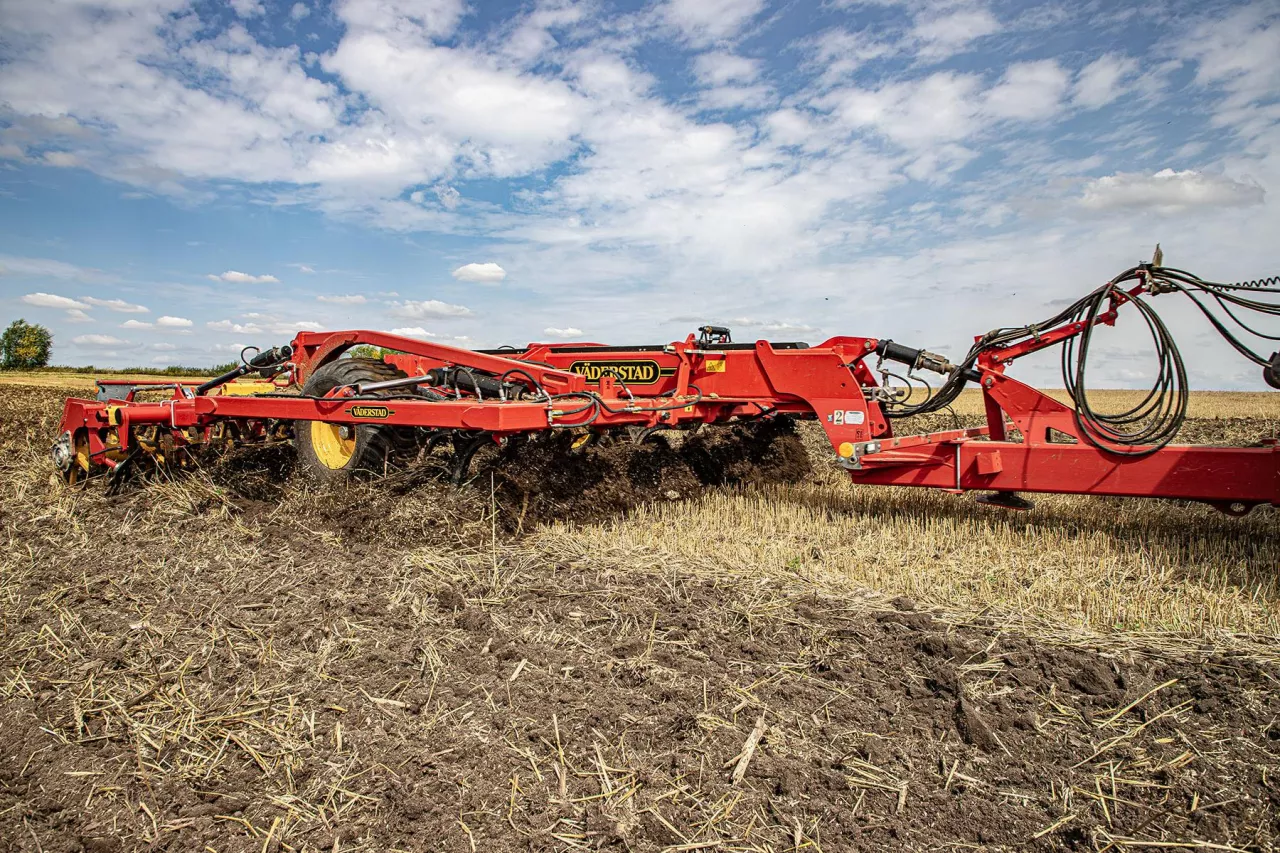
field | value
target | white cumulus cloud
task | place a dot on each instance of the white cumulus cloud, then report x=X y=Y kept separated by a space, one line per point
x=1102 y=81
x=62 y=159
x=117 y=305
x=1029 y=90
x=349 y=299
x=237 y=277
x=486 y=273
x=941 y=35
x=174 y=322
x=412 y=310
x=921 y=112
x=719 y=67
x=52 y=300
x=248 y=8
x=262 y=324
x=449 y=197
x=135 y=324
x=788 y=328
x=97 y=341
x=412 y=332
x=568 y=332
x=701 y=21
x=235 y=328
x=1169 y=190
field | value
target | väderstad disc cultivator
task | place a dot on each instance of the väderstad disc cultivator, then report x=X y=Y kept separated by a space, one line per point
x=351 y=415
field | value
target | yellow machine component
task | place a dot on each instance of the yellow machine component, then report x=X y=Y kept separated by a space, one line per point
x=223 y=434
x=78 y=469
x=157 y=443
x=82 y=450
x=334 y=444
x=245 y=388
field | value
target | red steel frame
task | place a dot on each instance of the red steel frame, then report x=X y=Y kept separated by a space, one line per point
x=686 y=383
x=1053 y=456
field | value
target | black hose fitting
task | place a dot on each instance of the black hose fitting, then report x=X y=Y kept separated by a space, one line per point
x=916 y=359
x=1271 y=371
x=897 y=352
x=268 y=363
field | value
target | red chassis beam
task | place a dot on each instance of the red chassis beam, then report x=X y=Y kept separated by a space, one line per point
x=673 y=385
x=1223 y=476
x=724 y=380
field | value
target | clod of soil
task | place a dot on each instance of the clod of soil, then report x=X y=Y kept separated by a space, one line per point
x=187 y=668
x=507 y=702
x=544 y=479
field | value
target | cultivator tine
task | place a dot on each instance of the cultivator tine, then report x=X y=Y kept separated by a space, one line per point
x=464 y=450
x=639 y=435
x=123 y=471
x=1006 y=500
x=436 y=440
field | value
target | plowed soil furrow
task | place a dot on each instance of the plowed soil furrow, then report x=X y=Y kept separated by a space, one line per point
x=226 y=662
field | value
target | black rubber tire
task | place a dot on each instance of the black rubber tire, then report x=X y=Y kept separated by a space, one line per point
x=374 y=444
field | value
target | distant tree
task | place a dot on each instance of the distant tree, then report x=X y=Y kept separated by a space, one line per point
x=366 y=351
x=25 y=345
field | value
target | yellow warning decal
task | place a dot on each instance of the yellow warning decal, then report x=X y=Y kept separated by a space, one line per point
x=716 y=366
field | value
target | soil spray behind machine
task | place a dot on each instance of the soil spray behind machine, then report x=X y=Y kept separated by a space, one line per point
x=347 y=416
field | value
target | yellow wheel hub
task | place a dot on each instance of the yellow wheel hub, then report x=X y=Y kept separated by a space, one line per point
x=334 y=444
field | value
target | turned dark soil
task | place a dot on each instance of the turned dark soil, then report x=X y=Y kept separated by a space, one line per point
x=196 y=665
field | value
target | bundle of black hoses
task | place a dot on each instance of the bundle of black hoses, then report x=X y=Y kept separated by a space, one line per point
x=1156 y=419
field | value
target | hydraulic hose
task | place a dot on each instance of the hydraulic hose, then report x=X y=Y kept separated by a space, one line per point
x=267 y=362
x=1154 y=421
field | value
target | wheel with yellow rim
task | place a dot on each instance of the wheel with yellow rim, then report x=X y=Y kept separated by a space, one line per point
x=333 y=444
x=330 y=452
x=71 y=456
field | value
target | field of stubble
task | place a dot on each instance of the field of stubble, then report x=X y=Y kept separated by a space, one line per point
x=233 y=661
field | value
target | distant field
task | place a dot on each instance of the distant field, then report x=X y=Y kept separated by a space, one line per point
x=50 y=379
x=1203 y=404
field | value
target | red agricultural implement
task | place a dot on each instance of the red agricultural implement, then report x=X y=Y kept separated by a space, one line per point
x=346 y=415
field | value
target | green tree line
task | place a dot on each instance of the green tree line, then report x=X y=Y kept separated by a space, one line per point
x=29 y=346
x=25 y=346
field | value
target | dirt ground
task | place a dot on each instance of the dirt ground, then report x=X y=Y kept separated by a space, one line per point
x=224 y=663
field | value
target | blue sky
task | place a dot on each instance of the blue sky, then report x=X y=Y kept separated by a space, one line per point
x=180 y=179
